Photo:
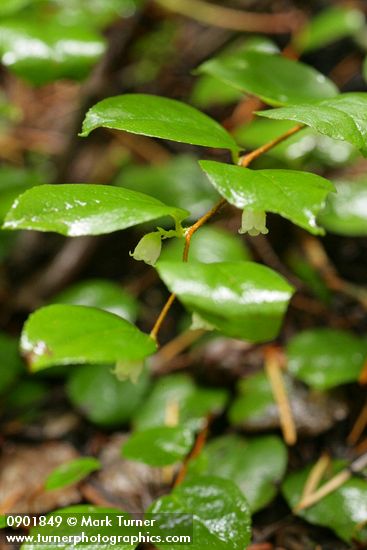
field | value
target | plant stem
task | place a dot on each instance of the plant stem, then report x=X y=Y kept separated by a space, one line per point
x=195 y=452
x=275 y=376
x=245 y=161
x=315 y=476
x=238 y=20
x=193 y=228
x=358 y=427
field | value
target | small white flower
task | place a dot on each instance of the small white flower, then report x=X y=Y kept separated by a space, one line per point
x=128 y=370
x=253 y=223
x=148 y=248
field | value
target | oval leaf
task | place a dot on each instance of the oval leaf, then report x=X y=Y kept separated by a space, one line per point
x=179 y=181
x=72 y=472
x=220 y=513
x=102 y=398
x=330 y=25
x=241 y=299
x=275 y=79
x=344 y=510
x=64 y=335
x=297 y=196
x=102 y=294
x=194 y=403
x=343 y=117
x=324 y=358
x=159 y=446
x=345 y=212
x=247 y=463
x=210 y=244
x=159 y=117
x=79 y=209
x=43 y=51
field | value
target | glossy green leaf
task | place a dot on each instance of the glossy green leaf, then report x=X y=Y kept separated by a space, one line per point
x=343 y=117
x=344 y=510
x=179 y=181
x=210 y=244
x=241 y=299
x=43 y=51
x=96 y=13
x=328 y=26
x=345 y=212
x=297 y=196
x=14 y=181
x=255 y=397
x=10 y=362
x=159 y=117
x=255 y=465
x=220 y=513
x=80 y=209
x=102 y=398
x=71 y=472
x=70 y=531
x=324 y=358
x=65 y=334
x=275 y=79
x=304 y=147
x=160 y=446
x=208 y=90
x=9 y=7
x=255 y=409
x=194 y=403
x=102 y=294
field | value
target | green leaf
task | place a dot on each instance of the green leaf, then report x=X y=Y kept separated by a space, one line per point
x=255 y=398
x=345 y=213
x=303 y=147
x=343 y=117
x=254 y=409
x=209 y=91
x=325 y=358
x=179 y=181
x=80 y=209
x=297 y=196
x=10 y=363
x=9 y=7
x=220 y=513
x=64 y=335
x=96 y=13
x=194 y=403
x=14 y=181
x=210 y=244
x=275 y=79
x=71 y=472
x=256 y=465
x=344 y=510
x=71 y=531
x=159 y=446
x=43 y=51
x=159 y=117
x=330 y=25
x=102 y=398
x=101 y=294
x=241 y=299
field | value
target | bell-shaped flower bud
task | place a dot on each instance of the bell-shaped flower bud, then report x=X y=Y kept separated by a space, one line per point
x=148 y=248
x=253 y=223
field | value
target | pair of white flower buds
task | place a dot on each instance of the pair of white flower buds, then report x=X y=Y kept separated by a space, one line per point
x=149 y=247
